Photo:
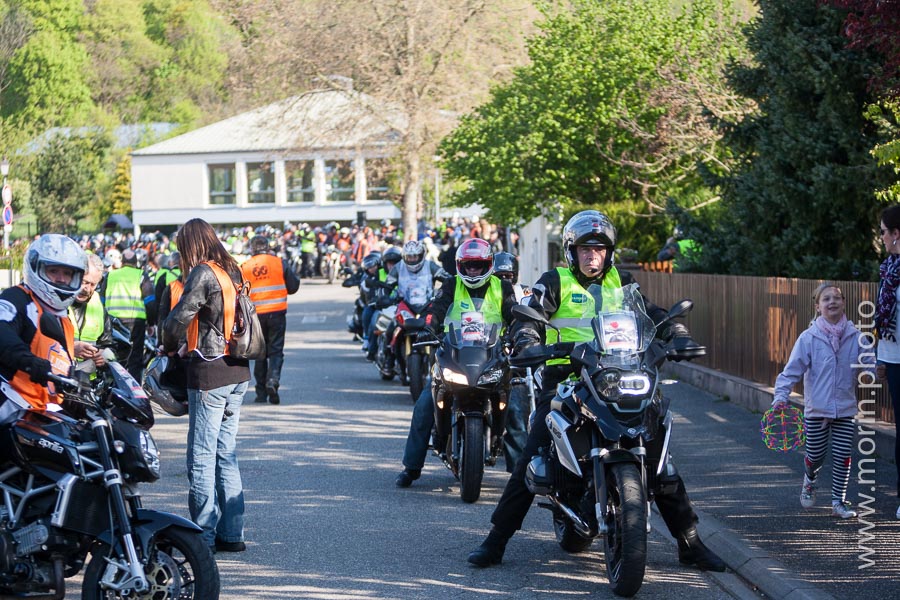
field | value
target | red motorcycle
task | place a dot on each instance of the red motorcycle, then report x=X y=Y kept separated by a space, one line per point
x=412 y=362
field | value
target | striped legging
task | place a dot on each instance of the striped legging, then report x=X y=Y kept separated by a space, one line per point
x=842 y=432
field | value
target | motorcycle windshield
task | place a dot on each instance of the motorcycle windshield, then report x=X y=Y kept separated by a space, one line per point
x=472 y=330
x=622 y=328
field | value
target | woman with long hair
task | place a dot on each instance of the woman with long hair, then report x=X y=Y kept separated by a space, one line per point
x=216 y=385
x=888 y=368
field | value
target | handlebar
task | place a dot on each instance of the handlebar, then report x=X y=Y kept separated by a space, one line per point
x=538 y=354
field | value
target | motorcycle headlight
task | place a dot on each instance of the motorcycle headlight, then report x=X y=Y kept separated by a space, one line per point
x=150 y=453
x=452 y=376
x=634 y=385
x=492 y=376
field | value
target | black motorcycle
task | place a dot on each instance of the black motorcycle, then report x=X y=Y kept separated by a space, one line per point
x=610 y=433
x=121 y=335
x=70 y=488
x=470 y=386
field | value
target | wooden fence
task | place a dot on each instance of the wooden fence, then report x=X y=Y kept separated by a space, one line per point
x=750 y=324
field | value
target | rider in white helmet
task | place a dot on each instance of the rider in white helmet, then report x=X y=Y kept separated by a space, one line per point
x=36 y=336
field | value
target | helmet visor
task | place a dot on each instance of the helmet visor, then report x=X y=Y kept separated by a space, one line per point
x=62 y=277
x=474 y=267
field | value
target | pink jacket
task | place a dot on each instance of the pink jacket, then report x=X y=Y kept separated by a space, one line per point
x=829 y=379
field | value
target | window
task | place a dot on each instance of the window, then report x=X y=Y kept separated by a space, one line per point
x=300 y=180
x=260 y=183
x=377 y=170
x=221 y=184
x=340 y=181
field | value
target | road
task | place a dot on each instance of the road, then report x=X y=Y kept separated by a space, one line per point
x=324 y=519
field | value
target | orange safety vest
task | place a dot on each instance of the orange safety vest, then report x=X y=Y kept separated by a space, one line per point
x=229 y=297
x=47 y=348
x=176 y=288
x=267 y=288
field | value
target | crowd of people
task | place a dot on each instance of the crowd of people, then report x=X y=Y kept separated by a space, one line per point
x=175 y=290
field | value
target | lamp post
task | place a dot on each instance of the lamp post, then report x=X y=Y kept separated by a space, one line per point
x=437 y=190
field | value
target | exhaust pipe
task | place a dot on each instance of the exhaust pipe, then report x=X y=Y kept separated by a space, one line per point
x=583 y=528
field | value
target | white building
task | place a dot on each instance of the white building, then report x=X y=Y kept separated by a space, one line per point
x=319 y=157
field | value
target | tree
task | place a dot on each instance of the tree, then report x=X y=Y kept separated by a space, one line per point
x=65 y=178
x=430 y=59
x=875 y=25
x=800 y=203
x=608 y=114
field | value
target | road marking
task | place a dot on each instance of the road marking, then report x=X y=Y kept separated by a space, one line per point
x=716 y=417
x=313 y=319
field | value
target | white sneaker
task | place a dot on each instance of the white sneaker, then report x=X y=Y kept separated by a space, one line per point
x=898 y=512
x=842 y=510
x=808 y=493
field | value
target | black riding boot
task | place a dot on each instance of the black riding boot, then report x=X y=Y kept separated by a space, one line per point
x=692 y=551
x=491 y=550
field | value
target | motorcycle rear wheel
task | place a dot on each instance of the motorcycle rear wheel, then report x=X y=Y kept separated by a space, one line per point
x=567 y=536
x=181 y=567
x=625 y=545
x=471 y=460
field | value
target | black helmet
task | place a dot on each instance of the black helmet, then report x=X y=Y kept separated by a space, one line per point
x=506 y=266
x=588 y=228
x=373 y=259
x=391 y=255
x=165 y=384
x=259 y=244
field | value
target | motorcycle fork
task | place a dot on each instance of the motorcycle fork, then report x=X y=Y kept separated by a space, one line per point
x=599 y=482
x=112 y=480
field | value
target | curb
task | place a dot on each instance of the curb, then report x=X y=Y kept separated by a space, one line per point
x=753 y=565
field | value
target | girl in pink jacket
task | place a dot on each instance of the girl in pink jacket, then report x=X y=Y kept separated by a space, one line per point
x=824 y=356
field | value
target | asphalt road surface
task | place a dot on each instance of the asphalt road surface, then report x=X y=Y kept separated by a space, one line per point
x=324 y=519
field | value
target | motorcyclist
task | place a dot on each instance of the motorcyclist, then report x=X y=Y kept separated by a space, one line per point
x=589 y=241
x=129 y=296
x=414 y=278
x=372 y=273
x=36 y=336
x=474 y=279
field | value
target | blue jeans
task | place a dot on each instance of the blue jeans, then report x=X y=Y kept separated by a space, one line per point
x=420 y=430
x=216 y=495
x=368 y=321
x=892 y=372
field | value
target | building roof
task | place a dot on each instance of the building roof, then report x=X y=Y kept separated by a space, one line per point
x=320 y=119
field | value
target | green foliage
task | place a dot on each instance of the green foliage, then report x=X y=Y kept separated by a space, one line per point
x=65 y=178
x=887 y=116
x=47 y=82
x=579 y=126
x=801 y=201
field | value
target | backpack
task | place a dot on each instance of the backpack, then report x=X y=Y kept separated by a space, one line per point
x=243 y=332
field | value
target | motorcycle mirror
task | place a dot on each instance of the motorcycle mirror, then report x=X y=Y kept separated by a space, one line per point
x=680 y=309
x=526 y=313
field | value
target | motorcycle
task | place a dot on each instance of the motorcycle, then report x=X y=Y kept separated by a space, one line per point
x=70 y=489
x=331 y=263
x=122 y=337
x=412 y=362
x=470 y=386
x=598 y=474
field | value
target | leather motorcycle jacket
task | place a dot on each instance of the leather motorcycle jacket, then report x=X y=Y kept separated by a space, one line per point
x=202 y=297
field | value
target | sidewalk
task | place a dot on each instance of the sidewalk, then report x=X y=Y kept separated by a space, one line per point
x=747 y=498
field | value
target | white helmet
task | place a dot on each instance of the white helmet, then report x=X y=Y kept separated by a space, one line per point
x=53 y=249
x=114 y=258
x=414 y=256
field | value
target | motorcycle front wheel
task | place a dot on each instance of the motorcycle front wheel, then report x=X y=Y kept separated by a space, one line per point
x=471 y=460
x=625 y=545
x=180 y=567
x=417 y=373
